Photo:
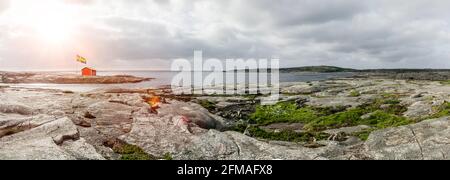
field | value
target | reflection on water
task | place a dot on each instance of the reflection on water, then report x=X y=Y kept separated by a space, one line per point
x=165 y=77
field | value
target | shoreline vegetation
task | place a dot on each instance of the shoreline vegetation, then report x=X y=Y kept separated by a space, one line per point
x=315 y=120
x=376 y=114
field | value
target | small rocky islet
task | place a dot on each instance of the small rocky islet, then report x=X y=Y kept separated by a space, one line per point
x=67 y=78
x=363 y=117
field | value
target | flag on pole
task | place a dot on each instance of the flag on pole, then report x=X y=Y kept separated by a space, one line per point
x=81 y=59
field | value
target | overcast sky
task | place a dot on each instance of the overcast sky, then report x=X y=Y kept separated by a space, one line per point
x=147 y=34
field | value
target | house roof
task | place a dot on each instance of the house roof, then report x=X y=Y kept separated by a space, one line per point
x=89 y=68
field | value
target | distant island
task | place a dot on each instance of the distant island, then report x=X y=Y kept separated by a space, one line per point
x=331 y=69
x=406 y=74
x=322 y=69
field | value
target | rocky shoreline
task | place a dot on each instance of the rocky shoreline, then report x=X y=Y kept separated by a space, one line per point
x=58 y=78
x=351 y=118
x=430 y=75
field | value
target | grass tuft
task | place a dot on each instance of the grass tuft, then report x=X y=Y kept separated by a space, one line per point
x=447 y=82
x=210 y=106
x=355 y=93
x=282 y=112
x=442 y=111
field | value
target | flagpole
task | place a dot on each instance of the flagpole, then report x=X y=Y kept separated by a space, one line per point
x=77 y=71
x=76 y=64
x=80 y=59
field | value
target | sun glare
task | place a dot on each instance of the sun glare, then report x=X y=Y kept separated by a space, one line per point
x=50 y=20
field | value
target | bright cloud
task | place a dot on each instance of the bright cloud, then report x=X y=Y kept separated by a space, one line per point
x=147 y=34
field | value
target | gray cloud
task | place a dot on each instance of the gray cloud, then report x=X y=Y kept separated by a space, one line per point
x=350 y=33
x=301 y=12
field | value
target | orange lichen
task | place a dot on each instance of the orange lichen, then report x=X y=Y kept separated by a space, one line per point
x=154 y=102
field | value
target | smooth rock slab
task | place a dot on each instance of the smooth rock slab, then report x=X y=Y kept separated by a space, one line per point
x=347 y=130
x=47 y=142
x=158 y=135
x=232 y=145
x=194 y=112
x=113 y=119
x=15 y=109
x=169 y=134
x=419 y=109
x=425 y=140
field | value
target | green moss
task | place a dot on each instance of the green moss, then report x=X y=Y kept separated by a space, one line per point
x=396 y=109
x=325 y=111
x=317 y=119
x=282 y=112
x=355 y=93
x=363 y=135
x=331 y=117
x=395 y=106
x=167 y=156
x=251 y=96
x=207 y=105
x=132 y=152
x=287 y=135
x=442 y=111
x=392 y=101
x=135 y=157
x=239 y=127
x=381 y=120
x=447 y=82
x=352 y=117
x=341 y=119
x=387 y=100
x=441 y=114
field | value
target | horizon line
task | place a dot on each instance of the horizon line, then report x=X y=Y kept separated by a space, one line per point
x=168 y=70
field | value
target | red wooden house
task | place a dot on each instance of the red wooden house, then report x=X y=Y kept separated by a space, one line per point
x=88 y=72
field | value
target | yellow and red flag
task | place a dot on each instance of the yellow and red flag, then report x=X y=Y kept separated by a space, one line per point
x=81 y=59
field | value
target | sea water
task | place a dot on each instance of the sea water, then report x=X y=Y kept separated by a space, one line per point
x=164 y=78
